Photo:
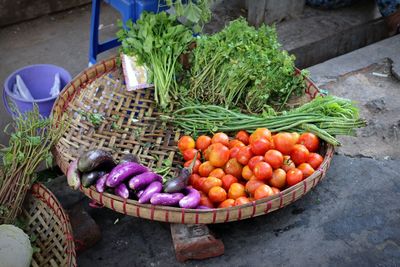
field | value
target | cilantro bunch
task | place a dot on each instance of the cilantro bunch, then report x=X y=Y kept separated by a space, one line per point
x=157 y=41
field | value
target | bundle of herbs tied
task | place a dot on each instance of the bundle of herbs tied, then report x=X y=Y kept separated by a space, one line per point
x=31 y=139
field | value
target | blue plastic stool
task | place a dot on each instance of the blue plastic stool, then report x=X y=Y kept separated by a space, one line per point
x=129 y=9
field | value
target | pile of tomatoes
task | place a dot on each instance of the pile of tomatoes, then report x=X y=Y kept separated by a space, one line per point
x=230 y=172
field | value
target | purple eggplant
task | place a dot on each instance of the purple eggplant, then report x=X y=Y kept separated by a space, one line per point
x=142 y=180
x=73 y=175
x=139 y=193
x=95 y=159
x=179 y=183
x=90 y=178
x=165 y=199
x=191 y=200
x=101 y=183
x=122 y=191
x=153 y=188
x=124 y=171
x=129 y=158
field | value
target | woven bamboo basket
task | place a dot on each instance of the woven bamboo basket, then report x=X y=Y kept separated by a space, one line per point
x=49 y=223
x=131 y=124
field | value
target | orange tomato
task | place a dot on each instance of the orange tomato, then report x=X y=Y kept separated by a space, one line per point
x=202 y=142
x=228 y=180
x=195 y=167
x=288 y=164
x=220 y=138
x=217 y=194
x=252 y=185
x=296 y=137
x=241 y=201
x=284 y=142
x=262 y=171
x=227 y=203
x=190 y=153
x=244 y=155
x=185 y=142
x=247 y=173
x=236 y=190
x=275 y=190
x=260 y=133
x=315 y=160
x=310 y=141
x=306 y=169
x=206 y=153
x=243 y=136
x=263 y=191
x=218 y=172
x=294 y=176
x=278 y=179
x=233 y=152
x=219 y=155
x=233 y=167
x=205 y=168
x=254 y=160
x=260 y=146
x=193 y=178
x=235 y=143
x=198 y=183
x=209 y=183
x=205 y=201
x=274 y=158
x=299 y=154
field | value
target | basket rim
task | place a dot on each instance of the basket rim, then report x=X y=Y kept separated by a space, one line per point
x=43 y=194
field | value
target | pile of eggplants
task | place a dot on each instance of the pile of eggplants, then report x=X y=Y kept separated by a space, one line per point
x=130 y=179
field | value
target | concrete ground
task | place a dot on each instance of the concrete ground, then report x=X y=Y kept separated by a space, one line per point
x=350 y=219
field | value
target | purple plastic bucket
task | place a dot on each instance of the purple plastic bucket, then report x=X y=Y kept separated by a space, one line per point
x=38 y=79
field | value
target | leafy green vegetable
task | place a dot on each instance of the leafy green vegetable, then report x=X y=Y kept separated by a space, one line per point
x=242 y=66
x=157 y=41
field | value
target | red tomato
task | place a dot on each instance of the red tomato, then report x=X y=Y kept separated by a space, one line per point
x=195 y=167
x=274 y=158
x=185 y=142
x=228 y=180
x=227 y=203
x=233 y=152
x=220 y=138
x=198 y=183
x=306 y=169
x=205 y=168
x=244 y=155
x=254 y=160
x=219 y=155
x=310 y=141
x=234 y=168
x=275 y=190
x=243 y=136
x=218 y=173
x=209 y=183
x=296 y=137
x=278 y=179
x=205 y=201
x=299 y=154
x=193 y=179
x=241 y=201
x=315 y=160
x=294 y=176
x=217 y=194
x=260 y=146
x=246 y=172
x=260 y=133
x=252 y=185
x=262 y=171
x=284 y=142
x=236 y=190
x=263 y=191
x=235 y=143
x=189 y=154
x=206 y=153
x=203 y=142
x=288 y=164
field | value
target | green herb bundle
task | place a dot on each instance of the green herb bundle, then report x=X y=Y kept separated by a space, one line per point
x=324 y=116
x=157 y=41
x=30 y=142
x=242 y=66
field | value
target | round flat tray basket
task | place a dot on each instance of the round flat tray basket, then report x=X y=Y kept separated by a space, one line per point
x=131 y=124
x=48 y=222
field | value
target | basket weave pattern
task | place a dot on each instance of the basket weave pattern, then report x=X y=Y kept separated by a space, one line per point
x=131 y=125
x=49 y=223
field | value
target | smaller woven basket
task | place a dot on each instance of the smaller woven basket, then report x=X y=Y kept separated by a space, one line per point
x=50 y=224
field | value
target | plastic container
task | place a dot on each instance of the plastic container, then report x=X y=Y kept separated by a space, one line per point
x=39 y=79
